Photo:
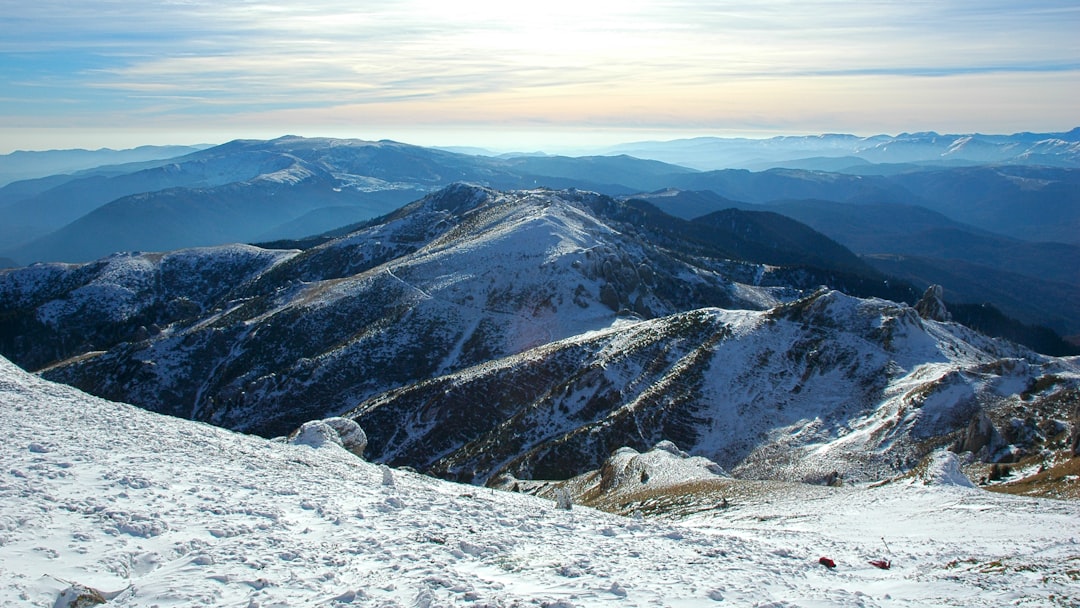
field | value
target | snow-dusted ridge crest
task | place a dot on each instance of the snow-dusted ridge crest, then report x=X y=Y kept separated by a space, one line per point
x=151 y=510
x=463 y=276
x=476 y=333
x=824 y=386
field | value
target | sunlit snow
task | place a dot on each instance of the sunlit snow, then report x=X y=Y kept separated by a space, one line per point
x=155 y=511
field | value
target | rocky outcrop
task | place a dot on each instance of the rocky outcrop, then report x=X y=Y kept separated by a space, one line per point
x=980 y=434
x=941 y=468
x=331 y=431
x=931 y=306
x=353 y=438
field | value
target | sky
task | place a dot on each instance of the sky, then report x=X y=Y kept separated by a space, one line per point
x=513 y=75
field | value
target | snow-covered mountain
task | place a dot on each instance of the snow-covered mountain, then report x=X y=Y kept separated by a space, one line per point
x=477 y=333
x=461 y=277
x=854 y=153
x=104 y=502
x=252 y=190
x=825 y=385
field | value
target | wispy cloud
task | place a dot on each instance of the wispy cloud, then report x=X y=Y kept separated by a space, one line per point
x=560 y=60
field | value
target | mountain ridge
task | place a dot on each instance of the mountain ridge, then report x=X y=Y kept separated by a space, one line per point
x=531 y=332
x=711 y=153
x=28 y=164
x=59 y=219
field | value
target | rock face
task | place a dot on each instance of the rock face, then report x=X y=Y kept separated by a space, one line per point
x=931 y=306
x=80 y=596
x=980 y=437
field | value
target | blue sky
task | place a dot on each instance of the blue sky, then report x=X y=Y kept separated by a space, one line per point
x=526 y=75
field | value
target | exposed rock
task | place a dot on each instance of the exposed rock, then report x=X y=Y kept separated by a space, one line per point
x=563 y=500
x=664 y=465
x=353 y=438
x=931 y=306
x=336 y=431
x=980 y=434
x=834 y=479
x=316 y=434
x=79 y=596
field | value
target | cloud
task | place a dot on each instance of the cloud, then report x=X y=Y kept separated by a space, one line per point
x=580 y=59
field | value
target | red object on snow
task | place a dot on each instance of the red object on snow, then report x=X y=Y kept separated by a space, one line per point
x=884 y=564
x=828 y=563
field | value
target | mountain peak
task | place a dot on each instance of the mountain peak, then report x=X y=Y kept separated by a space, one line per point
x=459 y=197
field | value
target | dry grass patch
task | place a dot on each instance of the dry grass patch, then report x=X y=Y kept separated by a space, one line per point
x=1061 y=481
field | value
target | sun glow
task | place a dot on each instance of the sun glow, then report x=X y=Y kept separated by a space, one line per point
x=733 y=67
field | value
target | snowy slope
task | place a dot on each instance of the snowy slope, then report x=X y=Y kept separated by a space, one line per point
x=476 y=333
x=463 y=276
x=155 y=511
x=829 y=383
x=75 y=308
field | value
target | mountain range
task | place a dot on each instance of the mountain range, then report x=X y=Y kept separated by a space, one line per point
x=477 y=333
x=1035 y=282
x=997 y=234
x=253 y=190
x=28 y=165
x=427 y=374
x=877 y=154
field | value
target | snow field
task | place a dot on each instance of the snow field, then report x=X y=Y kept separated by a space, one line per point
x=165 y=512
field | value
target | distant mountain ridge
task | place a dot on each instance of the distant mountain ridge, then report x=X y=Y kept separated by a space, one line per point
x=1034 y=282
x=249 y=190
x=292 y=188
x=24 y=164
x=928 y=149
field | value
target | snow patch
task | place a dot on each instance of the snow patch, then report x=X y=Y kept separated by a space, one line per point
x=942 y=468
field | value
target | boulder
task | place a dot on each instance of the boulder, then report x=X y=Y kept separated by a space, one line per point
x=337 y=431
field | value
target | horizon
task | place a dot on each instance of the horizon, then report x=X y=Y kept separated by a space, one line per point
x=494 y=140
x=477 y=72
x=584 y=141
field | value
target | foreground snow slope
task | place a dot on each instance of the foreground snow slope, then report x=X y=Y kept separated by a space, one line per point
x=164 y=512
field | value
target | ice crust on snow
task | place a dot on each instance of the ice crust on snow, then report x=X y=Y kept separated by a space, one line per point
x=157 y=511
